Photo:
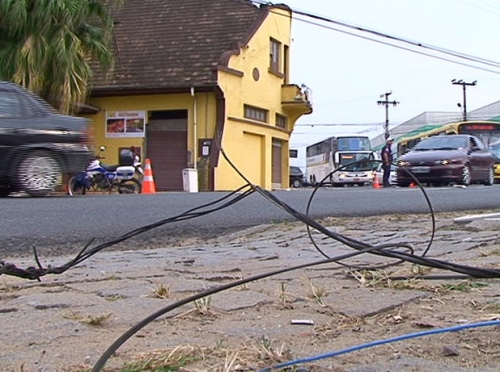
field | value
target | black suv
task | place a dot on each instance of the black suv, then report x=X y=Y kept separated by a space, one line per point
x=296 y=177
x=37 y=145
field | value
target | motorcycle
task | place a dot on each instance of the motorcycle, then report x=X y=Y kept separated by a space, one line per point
x=124 y=177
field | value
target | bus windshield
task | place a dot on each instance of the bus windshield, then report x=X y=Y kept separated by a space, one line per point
x=353 y=144
x=345 y=159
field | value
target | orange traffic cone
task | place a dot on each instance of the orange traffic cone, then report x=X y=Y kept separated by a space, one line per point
x=148 y=183
x=376 y=184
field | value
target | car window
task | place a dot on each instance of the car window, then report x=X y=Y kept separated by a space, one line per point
x=495 y=149
x=475 y=142
x=35 y=106
x=10 y=105
x=450 y=142
x=18 y=103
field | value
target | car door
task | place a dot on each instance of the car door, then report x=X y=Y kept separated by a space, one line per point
x=10 y=115
x=479 y=159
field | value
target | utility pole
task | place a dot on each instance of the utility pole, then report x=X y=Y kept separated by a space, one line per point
x=464 y=85
x=386 y=103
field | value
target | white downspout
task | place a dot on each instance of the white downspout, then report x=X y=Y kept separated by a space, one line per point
x=195 y=130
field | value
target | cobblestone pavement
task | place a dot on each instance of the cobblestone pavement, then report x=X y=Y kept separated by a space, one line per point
x=47 y=326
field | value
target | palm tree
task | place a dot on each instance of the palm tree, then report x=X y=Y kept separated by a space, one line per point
x=50 y=46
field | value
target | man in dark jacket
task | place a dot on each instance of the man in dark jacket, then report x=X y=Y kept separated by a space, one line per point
x=386 y=154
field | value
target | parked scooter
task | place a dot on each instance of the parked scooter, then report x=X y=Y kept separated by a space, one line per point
x=107 y=178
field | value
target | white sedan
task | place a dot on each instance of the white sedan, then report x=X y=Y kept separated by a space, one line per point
x=379 y=173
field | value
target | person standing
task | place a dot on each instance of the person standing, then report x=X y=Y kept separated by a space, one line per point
x=387 y=161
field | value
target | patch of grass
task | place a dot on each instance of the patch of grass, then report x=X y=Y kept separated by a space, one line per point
x=371 y=278
x=465 y=286
x=269 y=351
x=93 y=320
x=114 y=297
x=202 y=305
x=420 y=270
x=316 y=293
x=283 y=296
x=339 y=323
x=244 y=357
x=381 y=279
x=161 y=291
x=166 y=361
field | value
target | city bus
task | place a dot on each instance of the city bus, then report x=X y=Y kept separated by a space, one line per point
x=325 y=156
x=487 y=131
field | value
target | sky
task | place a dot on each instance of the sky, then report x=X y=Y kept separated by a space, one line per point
x=349 y=74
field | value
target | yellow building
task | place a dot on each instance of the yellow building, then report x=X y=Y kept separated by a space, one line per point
x=192 y=77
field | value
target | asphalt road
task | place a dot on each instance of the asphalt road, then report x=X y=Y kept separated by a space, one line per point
x=60 y=224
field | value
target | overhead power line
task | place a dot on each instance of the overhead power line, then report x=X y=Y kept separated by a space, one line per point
x=326 y=125
x=419 y=45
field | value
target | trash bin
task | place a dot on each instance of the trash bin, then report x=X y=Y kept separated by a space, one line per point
x=190 y=179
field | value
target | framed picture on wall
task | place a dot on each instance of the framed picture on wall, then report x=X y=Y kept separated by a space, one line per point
x=125 y=124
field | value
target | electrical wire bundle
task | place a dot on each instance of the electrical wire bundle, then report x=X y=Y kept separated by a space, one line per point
x=385 y=250
x=399 y=253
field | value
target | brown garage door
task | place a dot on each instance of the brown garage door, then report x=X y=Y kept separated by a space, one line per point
x=276 y=165
x=166 y=147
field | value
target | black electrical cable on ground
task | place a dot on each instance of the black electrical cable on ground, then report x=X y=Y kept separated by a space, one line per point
x=35 y=273
x=387 y=250
x=384 y=249
x=348 y=241
x=138 y=326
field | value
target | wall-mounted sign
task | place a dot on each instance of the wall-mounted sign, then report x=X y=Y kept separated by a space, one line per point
x=125 y=124
x=204 y=146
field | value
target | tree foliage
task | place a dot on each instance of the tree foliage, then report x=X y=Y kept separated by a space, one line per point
x=50 y=46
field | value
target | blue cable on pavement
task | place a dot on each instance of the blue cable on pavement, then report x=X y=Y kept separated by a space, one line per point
x=381 y=342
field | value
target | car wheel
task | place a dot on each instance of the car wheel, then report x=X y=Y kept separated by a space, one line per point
x=491 y=177
x=38 y=173
x=296 y=183
x=465 y=176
